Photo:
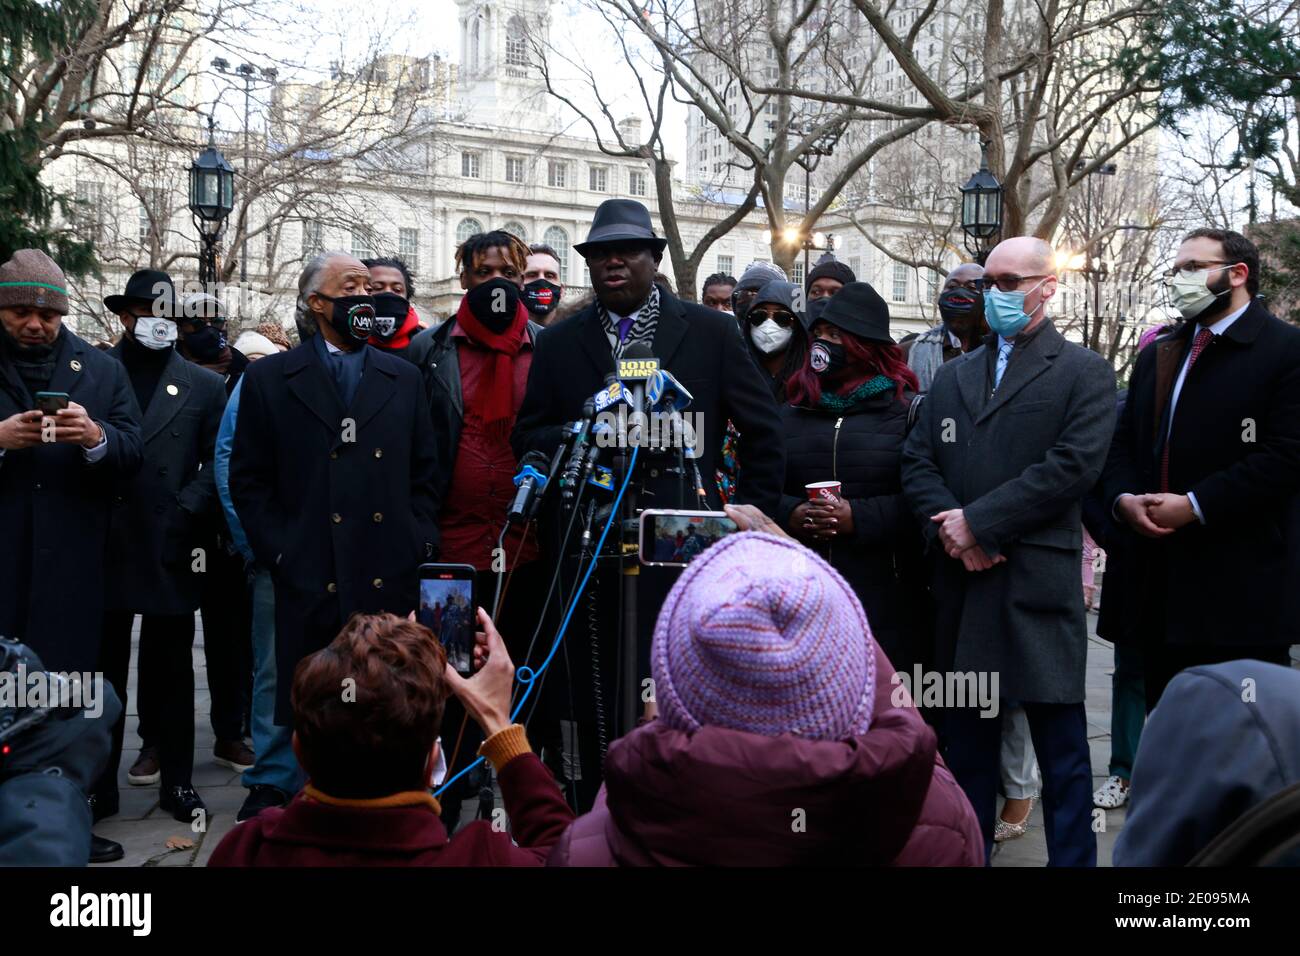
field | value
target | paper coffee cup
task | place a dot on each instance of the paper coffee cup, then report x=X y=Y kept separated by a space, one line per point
x=823 y=490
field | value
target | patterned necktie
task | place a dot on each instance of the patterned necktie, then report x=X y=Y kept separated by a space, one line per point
x=1004 y=356
x=1203 y=338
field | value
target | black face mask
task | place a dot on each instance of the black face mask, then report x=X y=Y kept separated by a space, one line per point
x=494 y=303
x=207 y=344
x=353 y=318
x=541 y=297
x=827 y=358
x=390 y=312
x=815 y=309
x=961 y=309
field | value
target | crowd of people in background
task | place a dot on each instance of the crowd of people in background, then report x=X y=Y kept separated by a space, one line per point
x=991 y=487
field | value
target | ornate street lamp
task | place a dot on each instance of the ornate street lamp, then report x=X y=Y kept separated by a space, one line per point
x=212 y=197
x=981 y=209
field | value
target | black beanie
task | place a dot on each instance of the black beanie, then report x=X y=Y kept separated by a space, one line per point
x=828 y=267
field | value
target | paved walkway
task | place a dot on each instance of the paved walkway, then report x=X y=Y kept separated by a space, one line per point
x=144 y=830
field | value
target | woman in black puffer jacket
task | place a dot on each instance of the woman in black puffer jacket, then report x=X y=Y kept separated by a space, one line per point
x=846 y=422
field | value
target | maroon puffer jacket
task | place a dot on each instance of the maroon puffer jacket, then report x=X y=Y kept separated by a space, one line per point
x=723 y=797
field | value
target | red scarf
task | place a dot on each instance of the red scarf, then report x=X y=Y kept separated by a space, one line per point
x=493 y=400
x=402 y=337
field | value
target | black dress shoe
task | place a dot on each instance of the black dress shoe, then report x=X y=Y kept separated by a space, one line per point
x=182 y=802
x=260 y=797
x=104 y=850
x=102 y=807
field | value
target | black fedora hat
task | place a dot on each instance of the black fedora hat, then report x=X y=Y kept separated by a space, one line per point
x=621 y=220
x=146 y=287
x=859 y=310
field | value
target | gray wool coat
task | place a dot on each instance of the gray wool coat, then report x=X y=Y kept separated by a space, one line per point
x=1018 y=462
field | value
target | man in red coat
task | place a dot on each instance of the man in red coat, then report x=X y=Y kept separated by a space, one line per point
x=366 y=715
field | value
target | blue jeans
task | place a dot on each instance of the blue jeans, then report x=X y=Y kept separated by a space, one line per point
x=276 y=764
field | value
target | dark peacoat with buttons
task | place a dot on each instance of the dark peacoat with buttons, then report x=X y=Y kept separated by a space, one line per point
x=159 y=517
x=337 y=502
x=54 y=510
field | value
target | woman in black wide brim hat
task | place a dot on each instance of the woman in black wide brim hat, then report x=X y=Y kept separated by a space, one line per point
x=846 y=421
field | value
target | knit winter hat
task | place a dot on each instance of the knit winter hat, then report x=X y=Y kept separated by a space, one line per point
x=31 y=278
x=760 y=634
x=828 y=267
x=759 y=274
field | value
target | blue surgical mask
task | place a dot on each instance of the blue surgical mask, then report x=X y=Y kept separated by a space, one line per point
x=1005 y=311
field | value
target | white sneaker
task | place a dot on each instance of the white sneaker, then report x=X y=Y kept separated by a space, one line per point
x=1112 y=794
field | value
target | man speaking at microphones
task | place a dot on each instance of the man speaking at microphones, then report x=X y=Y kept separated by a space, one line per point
x=704 y=352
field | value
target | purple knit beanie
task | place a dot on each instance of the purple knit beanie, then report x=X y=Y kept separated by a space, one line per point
x=760 y=634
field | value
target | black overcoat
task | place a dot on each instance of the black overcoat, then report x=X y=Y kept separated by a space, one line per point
x=335 y=501
x=160 y=516
x=54 y=510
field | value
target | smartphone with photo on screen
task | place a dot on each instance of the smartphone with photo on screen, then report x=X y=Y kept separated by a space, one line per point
x=673 y=538
x=449 y=607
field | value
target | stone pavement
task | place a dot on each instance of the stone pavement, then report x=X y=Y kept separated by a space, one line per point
x=144 y=830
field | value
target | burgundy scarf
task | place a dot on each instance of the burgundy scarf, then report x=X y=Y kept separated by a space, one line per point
x=493 y=401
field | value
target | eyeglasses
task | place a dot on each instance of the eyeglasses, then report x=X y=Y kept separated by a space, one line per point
x=781 y=318
x=1004 y=283
x=1189 y=269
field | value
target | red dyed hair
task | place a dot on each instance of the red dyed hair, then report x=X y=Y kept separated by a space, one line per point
x=866 y=360
x=375 y=739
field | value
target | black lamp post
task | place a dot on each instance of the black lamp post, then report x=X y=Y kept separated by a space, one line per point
x=981 y=209
x=212 y=196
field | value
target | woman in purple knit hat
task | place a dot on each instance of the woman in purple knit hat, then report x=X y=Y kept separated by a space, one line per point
x=782 y=738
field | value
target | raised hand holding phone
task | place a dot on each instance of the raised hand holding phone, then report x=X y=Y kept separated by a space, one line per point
x=486 y=695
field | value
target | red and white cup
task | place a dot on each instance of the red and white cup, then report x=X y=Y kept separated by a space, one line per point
x=823 y=491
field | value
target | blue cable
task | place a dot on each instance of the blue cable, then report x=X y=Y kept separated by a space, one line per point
x=531 y=679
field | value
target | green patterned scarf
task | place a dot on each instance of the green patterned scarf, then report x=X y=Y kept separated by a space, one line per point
x=843 y=403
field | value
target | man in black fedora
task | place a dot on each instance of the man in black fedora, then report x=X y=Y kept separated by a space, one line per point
x=704 y=351
x=158 y=551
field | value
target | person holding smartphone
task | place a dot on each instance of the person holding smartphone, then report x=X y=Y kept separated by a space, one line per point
x=372 y=760
x=57 y=471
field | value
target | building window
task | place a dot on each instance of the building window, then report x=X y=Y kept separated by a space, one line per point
x=599 y=178
x=558 y=239
x=931 y=285
x=516 y=42
x=797 y=275
x=470 y=164
x=514 y=169
x=516 y=229
x=468 y=227
x=636 y=183
x=362 y=247
x=726 y=264
x=151 y=217
x=408 y=247
x=855 y=266
x=900 y=283
x=90 y=210
x=313 y=238
x=557 y=174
